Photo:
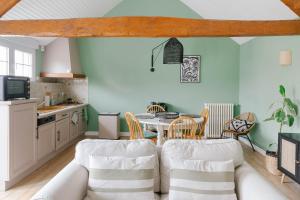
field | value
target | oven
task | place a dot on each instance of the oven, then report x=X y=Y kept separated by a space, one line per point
x=14 y=87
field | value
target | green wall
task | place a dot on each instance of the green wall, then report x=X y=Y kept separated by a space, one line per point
x=119 y=76
x=260 y=77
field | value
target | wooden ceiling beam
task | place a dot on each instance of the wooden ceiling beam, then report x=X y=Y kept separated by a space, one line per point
x=147 y=27
x=294 y=5
x=6 y=5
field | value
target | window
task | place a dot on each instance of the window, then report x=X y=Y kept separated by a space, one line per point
x=4 y=60
x=23 y=64
x=17 y=59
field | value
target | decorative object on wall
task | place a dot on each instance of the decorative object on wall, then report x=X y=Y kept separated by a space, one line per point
x=285 y=58
x=190 y=69
x=173 y=52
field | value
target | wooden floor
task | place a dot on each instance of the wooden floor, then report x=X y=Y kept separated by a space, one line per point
x=256 y=160
x=30 y=185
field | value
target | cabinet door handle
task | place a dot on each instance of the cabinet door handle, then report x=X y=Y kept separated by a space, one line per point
x=58 y=136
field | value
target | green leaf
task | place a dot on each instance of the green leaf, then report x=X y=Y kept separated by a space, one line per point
x=290 y=120
x=280 y=115
x=293 y=108
x=296 y=109
x=270 y=145
x=271 y=106
x=282 y=90
x=269 y=119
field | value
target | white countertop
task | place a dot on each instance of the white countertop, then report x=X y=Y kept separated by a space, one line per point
x=19 y=101
x=66 y=108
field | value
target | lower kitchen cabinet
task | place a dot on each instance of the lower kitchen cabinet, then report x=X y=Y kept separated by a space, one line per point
x=22 y=138
x=17 y=143
x=45 y=140
x=82 y=125
x=62 y=132
x=74 y=125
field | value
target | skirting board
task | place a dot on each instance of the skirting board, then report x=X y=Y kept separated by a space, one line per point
x=258 y=149
x=95 y=133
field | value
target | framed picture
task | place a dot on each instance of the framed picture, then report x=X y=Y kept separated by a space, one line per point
x=190 y=69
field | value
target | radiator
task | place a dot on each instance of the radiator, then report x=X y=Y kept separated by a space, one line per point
x=219 y=113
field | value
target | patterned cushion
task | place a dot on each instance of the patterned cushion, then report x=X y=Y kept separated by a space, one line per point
x=121 y=178
x=205 y=180
x=240 y=126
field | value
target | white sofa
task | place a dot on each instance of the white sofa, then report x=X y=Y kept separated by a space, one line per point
x=71 y=182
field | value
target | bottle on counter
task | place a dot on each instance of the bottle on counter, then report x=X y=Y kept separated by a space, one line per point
x=47 y=99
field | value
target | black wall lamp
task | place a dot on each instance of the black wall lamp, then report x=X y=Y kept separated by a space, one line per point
x=173 y=53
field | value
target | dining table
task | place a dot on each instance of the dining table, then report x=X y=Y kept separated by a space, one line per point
x=161 y=125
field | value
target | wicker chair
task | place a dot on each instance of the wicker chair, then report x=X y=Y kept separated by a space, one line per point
x=249 y=117
x=182 y=128
x=135 y=129
x=155 y=109
x=204 y=113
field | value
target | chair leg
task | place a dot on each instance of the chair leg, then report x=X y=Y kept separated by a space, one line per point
x=250 y=142
x=222 y=134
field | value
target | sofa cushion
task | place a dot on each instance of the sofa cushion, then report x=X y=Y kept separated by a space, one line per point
x=126 y=148
x=239 y=125
x=214 y=150
x=121 y=178
x=199 y=179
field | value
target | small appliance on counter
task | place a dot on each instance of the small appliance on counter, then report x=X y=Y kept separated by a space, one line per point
x=14 y=87
x=109 y=125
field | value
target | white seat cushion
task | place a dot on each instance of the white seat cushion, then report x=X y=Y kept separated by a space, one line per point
x=214 y=150
x=199 y=179
x=121 y=178
x=126 y=148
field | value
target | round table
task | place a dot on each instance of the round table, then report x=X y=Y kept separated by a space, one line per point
x=162 y=125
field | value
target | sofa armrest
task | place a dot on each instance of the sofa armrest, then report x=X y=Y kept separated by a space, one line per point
x=251 y=185
x=69 y=183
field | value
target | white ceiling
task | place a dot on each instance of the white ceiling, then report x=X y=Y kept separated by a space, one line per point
x=59 y=9
x=241 y=10
x=208 y=9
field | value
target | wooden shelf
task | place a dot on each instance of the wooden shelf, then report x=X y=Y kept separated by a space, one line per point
x=61 y=75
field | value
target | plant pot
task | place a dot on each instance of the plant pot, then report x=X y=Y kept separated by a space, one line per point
x=272 y=163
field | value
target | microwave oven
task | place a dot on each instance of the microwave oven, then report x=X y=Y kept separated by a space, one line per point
x=14 y=87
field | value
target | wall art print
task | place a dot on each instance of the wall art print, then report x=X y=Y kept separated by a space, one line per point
x=190 y=69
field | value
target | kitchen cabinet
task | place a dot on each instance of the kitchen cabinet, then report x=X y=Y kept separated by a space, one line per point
x=82 y=125
x=17 y=139
x=289 y=155
x=62 y=132
x=45 y=140
x=74 y=125
x=22 y=138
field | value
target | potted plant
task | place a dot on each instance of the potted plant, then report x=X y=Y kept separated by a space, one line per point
x=284 y=115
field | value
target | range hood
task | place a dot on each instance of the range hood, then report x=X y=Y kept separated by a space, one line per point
x=61 y=60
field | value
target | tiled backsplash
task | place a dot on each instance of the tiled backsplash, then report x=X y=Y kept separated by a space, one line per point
x=77 y=89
